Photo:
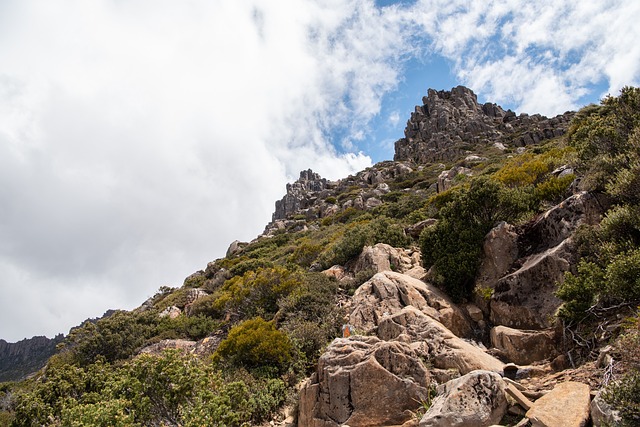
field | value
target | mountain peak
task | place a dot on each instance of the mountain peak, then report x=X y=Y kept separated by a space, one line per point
x=449 y=121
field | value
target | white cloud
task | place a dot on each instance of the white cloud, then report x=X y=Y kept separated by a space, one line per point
x=542 y=56
x=394 y=118
x=139 y=138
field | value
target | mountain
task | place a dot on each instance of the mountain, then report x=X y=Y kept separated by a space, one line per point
x=17 y=360
x=487 y=275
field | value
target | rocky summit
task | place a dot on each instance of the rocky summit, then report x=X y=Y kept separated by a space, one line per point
x=487 y=276
x=450 y=122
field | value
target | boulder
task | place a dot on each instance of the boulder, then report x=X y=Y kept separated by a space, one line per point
x=383 y=257
x=362 y=381
x=387 y=293
x=414 y=230
x=500 y=251
x=526 y=299
x=171 y=312
x=476 y=399
x=561 y=221
x=524 y=347
x=447 y=177
x=567 y=405
x=434 y=342
x=602 y=414
x=337 y=272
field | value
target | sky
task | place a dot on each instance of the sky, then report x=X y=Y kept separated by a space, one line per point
x=139 y=138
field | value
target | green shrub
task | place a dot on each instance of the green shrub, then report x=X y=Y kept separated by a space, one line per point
x=580 y=291
x=194 y=281
x=453 y=246
x=255 y=343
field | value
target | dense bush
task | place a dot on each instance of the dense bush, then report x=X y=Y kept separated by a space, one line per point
x=367 y=232
x=454 y=245
x=171 y=389
x=310 y=317
x=255 y=343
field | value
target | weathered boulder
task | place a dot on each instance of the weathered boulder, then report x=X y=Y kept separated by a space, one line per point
x=386 y=293
x=526 y=299
x=433 y=341
x=524 y=347
x=362 y=381
x=560 y=222
x=476 y=399
x=337 y=272
x=602 y=414
x=500 y=251
x=383 y=257
x=566 y=405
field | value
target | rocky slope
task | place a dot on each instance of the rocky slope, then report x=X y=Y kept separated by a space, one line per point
x=339 y=302
x=17 y=360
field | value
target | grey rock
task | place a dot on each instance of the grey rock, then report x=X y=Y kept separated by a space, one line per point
x=602 y=414
x=448 y=121
x=476 y=399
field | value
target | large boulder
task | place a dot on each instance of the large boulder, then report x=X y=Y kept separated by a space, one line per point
x=382 y=257
x=362 y=381
x=387 y=293
x=500 y=251
x=560 y=222
x=434 y=342
x=567 y=405
x=526 y=299
x=524 y=346
x=476 y=399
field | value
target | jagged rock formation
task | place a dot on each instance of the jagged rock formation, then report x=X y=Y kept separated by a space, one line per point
x=312 y=197
x=18 y=360
x=301 y=194
x=449 y=122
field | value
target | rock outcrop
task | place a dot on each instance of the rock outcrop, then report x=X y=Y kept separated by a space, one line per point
x=476 y=399
x=434 y=342
x=382 y=257
x=449 y=121
x=18 y=360
x=525 y=298
x=387 y=293
x=300 y=194
x=362 y=381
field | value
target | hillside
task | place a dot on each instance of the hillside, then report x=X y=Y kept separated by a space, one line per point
x=495 y=258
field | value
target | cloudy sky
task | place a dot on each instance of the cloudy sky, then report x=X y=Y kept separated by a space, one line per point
x=139 y=138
